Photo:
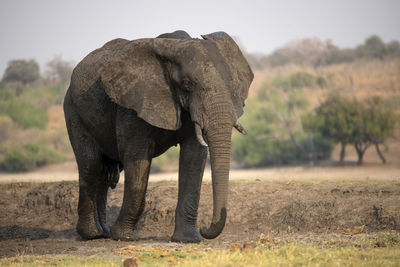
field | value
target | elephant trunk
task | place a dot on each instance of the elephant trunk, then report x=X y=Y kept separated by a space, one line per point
x=219 y=140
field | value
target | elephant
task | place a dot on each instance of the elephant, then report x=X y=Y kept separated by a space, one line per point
x=130 y=101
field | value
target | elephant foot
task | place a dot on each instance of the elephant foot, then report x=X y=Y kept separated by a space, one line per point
x=118 y=232
x=87 y=229
x=187 y=235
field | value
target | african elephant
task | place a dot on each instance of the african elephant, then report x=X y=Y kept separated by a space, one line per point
x=129 y=101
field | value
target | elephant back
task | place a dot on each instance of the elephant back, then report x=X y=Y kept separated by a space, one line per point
x=87 y=72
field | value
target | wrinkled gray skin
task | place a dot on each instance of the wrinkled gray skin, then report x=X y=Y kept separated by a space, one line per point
x=129 y=101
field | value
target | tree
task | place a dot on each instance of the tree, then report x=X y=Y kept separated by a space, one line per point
x=394 y=48
x=360 y=137
x=380 y=122
x=59 y=70
x=334 y=119
x=375 y=123
x=373 y=47
x=25 y=71
x=361 y=123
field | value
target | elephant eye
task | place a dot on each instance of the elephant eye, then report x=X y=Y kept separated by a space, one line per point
x=187 y=84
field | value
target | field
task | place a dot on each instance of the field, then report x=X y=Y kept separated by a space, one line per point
x=350 y=215
x=278 y=216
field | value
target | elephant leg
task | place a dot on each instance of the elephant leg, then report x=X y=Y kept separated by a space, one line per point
x=92 y=196
x=192 y=160
x=101 y=204
x=111 y=176
x=92 y=193
x=137 y=168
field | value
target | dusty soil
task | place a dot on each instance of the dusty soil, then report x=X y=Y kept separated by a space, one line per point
x=40 y=218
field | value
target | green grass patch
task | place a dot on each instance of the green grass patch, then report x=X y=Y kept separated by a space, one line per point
x=380 y=251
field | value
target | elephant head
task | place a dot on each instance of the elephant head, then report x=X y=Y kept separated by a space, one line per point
x=209 y=78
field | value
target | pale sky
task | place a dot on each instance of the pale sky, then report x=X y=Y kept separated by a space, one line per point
x=43 y=29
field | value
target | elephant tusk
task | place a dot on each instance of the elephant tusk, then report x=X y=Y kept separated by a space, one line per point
x=240 y=128
x=199 y=135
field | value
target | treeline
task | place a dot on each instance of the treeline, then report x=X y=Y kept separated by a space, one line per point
x=284 y=125
x=314 y=52
x=25 y=97
x=283 y=128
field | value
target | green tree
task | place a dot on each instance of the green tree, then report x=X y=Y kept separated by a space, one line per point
x=334 y=120
x=374 y=124
x=373 y=47
x=360 y=137
x=380 y=122
x=361 y=123
x=25 y=71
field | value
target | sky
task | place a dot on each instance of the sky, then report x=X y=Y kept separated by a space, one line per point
x=43 y=29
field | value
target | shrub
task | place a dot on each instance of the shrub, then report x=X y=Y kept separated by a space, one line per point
x=29 y=157
x=298 y=80
x=25 y=108
x=27 y=115
x=7 y=129
x=253 y=151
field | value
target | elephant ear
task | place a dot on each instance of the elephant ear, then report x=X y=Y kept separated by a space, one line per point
x=240 y=71
x=135 y=79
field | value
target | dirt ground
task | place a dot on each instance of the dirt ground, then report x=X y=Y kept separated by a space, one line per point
x=39 y=218
x=68 y=171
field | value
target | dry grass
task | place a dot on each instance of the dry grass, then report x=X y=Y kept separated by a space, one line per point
x=379 y=251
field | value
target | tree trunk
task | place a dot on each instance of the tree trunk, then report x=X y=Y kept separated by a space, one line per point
x=342 y=152
x=380 y=153
x=360 y=148
x=360 y=154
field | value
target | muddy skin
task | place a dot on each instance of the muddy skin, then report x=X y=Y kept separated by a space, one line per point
x=129 y=101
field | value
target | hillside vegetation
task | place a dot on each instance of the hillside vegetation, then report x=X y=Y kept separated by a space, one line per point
x=287 y=115
x=32 y=128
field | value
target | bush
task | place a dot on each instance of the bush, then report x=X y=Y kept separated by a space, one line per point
x=27 y=115
x=28 y=157
x=24 y=108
